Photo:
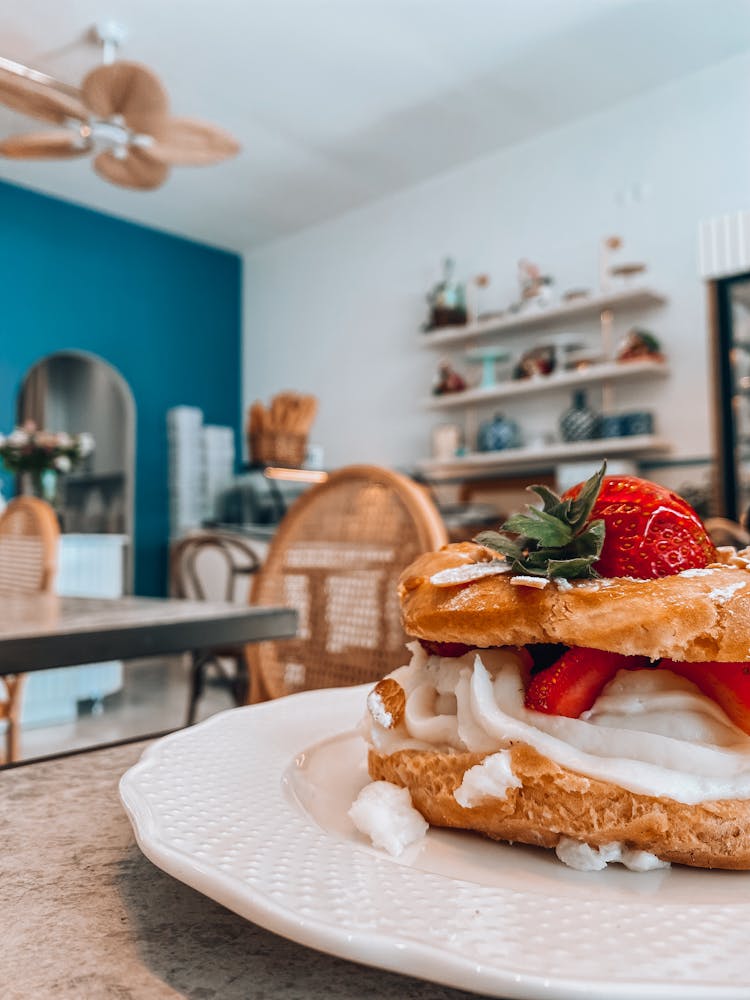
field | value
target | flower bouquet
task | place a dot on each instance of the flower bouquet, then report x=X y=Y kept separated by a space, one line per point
x=30 y=453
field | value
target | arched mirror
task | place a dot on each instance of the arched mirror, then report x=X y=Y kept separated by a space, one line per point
x=77 y=392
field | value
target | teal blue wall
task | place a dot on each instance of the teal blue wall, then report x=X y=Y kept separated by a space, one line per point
x=166 y=312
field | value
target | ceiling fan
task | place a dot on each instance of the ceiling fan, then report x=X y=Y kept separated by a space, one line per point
x=120 y=114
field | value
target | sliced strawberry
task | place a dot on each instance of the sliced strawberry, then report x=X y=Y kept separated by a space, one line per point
x=728 y=684
x=445 y=648
x=649 y=530
x=544 y=654
x=574 y=682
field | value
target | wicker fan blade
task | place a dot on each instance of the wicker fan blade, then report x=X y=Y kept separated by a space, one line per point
x=127 y=89
x=134 y=171
x=187 y=142
x=38 y=100
x=52 y=145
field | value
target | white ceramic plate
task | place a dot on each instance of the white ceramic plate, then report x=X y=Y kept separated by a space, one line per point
x=250 y=808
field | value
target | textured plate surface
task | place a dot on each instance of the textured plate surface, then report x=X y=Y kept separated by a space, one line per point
x=250 y=808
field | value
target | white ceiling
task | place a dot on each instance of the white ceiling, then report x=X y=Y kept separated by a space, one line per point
x=338 y=102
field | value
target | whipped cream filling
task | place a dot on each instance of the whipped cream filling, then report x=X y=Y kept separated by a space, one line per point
x=489 y=779
x=384 y=813
x=585 y=858
x=650 y=731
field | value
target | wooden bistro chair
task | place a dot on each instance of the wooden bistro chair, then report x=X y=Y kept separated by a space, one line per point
x=29 y=537
x=336 y=558
x=723 y=531
x=232 y=561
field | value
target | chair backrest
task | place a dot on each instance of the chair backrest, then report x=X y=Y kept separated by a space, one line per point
x=723 y=531
x=29 y=538
x=212 y=565
x=336 y=558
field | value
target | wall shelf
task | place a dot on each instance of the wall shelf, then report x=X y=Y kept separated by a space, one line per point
x=482 y=463
x=592 y=375
x=538 y=318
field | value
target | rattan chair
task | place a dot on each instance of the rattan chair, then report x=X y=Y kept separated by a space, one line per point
x=233 y=561
x=29 y=536
x=723 y=531
x=336 y=558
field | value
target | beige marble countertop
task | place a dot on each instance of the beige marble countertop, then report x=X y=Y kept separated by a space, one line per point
x=40 y=631
x=86 y=916
x=32 y=615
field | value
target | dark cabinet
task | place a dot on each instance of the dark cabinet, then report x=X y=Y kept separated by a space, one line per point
x=731 y=315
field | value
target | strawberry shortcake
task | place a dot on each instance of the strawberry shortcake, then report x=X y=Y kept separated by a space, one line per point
x=579 y=680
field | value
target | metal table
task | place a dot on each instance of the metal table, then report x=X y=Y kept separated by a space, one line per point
x=42 y=631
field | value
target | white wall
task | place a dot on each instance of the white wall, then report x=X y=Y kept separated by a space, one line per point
x=336 y=309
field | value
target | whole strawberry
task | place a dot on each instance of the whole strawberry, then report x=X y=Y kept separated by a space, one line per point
x=650 y=531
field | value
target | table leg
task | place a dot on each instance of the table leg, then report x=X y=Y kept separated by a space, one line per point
x=197 y=683
x=14 y=684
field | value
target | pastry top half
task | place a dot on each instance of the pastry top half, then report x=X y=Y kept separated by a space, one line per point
x=696 y=616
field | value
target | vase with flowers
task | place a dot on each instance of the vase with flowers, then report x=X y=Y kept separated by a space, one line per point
x=39 y=457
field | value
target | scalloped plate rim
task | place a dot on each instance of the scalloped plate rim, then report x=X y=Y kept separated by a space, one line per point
x=379 y=950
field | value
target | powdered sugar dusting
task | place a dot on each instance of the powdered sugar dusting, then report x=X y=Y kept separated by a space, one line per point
x=378 y=710
x=602 y=584
x=722 y=594
x=465 y=574
x=562 y=584
x=698 y=572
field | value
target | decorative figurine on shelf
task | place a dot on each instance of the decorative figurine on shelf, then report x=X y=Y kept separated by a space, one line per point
x=622 y=274
x=536 y=288
x=575 y=295
x=538 y=361
x=573 y=353
x=579 y=422
x=640 y=345
x=608 y=246
x=496 y=363
x=447 y=301
x=627 y=273
x=448 y=380
x=480 y=306
x=498 y=434
x=637 y=422
x=447 y=441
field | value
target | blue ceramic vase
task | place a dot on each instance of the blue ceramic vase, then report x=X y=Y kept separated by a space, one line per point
x=579 y=422
x=498 y=434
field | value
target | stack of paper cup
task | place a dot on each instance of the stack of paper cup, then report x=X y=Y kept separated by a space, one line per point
x=186 y=468
x=218 y=465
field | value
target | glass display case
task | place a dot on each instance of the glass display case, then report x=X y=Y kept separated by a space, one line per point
x=262 y=495
x=732 y=393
